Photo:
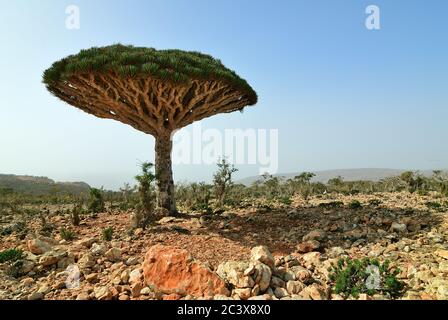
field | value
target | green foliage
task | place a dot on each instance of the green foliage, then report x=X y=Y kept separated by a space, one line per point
x=285 y=200
x=146 y=192
x=174 y=66
x=331 y=204
x=15 y=269
x=107 y=234
x=11 y=255
x=201 y=197
x=96 y=201
x=353 y=277
x=355 y=204
x=222 y=181
x=66 y=234
x=437 y=206
x=75 y=214
x=375 y=202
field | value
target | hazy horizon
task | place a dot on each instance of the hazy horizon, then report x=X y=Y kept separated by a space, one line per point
x=341 y=96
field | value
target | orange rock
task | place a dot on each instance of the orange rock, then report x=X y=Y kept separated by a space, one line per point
x=172 y=296
x=173 y=270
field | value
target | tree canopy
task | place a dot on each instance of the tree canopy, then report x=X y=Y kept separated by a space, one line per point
x=147 y=88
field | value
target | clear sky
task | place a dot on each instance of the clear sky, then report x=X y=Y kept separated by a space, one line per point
x=340 y=95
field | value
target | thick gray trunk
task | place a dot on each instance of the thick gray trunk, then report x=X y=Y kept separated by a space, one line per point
x=164 y=174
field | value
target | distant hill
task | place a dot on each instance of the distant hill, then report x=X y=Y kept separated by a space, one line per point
x=40 y=185
x=372 y=174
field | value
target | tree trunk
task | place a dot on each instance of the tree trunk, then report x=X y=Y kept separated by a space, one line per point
x=164 y=175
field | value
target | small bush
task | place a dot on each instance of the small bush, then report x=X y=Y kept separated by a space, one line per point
x=285 y=200
x=353 y=277
x=96 y=201
x=107 y=234
x=15 y=269
x=375 y=202
x=332 y=204
x=434 y=205
x=355 y=204
x=74 y=214
x=11 y=255
x=66 y=234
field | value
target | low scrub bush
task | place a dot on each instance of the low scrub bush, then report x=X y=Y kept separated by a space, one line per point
x=353 y=277
x=107 y=234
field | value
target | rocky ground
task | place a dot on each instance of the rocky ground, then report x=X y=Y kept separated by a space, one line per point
x=228 y=256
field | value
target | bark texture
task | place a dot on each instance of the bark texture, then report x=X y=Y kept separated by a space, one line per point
x=164 y=175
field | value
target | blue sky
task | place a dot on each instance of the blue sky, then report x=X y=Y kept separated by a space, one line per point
x=341 y=96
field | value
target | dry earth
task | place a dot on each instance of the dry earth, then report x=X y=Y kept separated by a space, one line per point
x=304 y=238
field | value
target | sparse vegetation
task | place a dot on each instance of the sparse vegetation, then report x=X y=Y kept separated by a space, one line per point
x=353 y=277
x=355 y=204
x=67 y=234
x=222 y=181
x=107 y=234
x=146 y=192
x=96 y=201
x=10 y=255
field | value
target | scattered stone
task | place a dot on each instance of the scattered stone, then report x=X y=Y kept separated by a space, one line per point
x=318 y=235
x=262 y=254
x=113 y=254
x=308 y=246
x=398 y=227
x=36 y=296
x=37 y=246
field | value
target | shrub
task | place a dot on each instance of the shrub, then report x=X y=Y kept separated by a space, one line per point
x=66 y=234
x=15 y=269
x=285 y=200
x=201 y=197
x=146 y=204
x=46 y=228
x=74 y=215
x=96 y=201
x=332 y=204
x=352 y=277
x=11 y=255
x=375 y=202
x=355 y=204
x=107 y=234
x=222 y=181
x=434 y=205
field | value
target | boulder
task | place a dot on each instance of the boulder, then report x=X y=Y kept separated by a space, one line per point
x=308 y=246
x=262 y=254
x=318 y=235
x=173 y=270
x=236 y=273
x=398 y=227
x=113 y=254
x=37 y=246
x=262 y=276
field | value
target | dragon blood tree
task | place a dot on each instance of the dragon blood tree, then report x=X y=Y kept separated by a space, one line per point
x=154 y=91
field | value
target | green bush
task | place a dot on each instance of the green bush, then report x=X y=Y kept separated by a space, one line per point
x=96 y=201
x=352 y=277
x=375 y=202
x=11 y=255
x=332 y=204
x=66 y=234
x=107 y=234
x=355 y=204
x=285 y=200
x=434 y=205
